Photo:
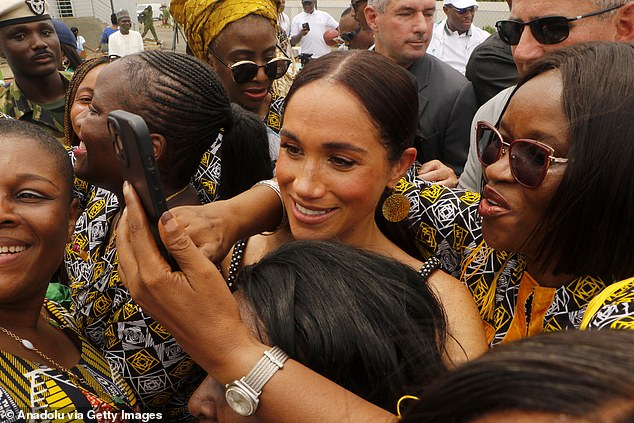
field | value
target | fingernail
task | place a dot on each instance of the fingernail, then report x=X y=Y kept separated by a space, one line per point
x=168 y=221
x=126 y=187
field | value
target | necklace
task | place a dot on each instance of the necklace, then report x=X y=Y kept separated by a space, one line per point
x=177 y=193
x=29 y=345
x=75 y=379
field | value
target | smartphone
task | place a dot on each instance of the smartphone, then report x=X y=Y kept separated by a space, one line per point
x=133 y=147
x=305 y=25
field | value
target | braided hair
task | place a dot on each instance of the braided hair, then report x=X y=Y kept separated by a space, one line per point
x=183 y=100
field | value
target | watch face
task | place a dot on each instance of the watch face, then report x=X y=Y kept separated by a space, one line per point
x=239 y=401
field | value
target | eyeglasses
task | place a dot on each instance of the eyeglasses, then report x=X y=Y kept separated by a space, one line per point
x=349 y=36
x=245 y=70
x=470 y=9
x=529 y=159
x=546 y=30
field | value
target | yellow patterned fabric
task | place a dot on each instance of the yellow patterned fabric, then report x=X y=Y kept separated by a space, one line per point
x=93 y=393
x=512 y=304
x=203 y=20
x=613 y=308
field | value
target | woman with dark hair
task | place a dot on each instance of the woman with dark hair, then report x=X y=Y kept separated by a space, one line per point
x=358 y=318
x=553 y=227
x=569 y=376
x=47 y=366
x=331 y=179
x=185 y=108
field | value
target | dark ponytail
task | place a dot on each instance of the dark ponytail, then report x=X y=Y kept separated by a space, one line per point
x=244 y=153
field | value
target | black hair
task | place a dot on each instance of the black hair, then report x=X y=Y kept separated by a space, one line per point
x=362 y=320
x=186 y=103
x=74 y=30
x=56 y=152
x=70 y=136
x=587 y=375
x=588 y=227
x=113 y=19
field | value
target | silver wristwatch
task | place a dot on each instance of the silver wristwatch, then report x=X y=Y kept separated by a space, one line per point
x=243 y=395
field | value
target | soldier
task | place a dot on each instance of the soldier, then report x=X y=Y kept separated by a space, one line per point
x=148 y=23
x=29 y=43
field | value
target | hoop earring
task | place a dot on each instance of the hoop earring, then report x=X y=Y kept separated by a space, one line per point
x=395 y=207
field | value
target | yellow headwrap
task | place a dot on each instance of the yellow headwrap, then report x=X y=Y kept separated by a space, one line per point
x=203 y=20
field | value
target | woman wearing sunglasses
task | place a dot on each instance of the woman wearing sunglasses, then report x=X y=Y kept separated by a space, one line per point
x=553 y=227
x=239 y=40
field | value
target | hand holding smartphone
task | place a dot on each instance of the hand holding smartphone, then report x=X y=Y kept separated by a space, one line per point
x=133 y=147
x=306 y=26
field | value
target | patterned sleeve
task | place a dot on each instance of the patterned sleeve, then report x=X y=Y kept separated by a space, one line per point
x=613 y=308
x=441 y=220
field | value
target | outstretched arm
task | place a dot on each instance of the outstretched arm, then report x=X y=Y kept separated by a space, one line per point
x=216 y=226
x=203 y=317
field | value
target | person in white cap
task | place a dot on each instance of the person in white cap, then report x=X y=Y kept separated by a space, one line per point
x=455 y=37
x=37 y=93
x=126 y=40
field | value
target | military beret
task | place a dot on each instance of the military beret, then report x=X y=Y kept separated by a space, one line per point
x=21 y=11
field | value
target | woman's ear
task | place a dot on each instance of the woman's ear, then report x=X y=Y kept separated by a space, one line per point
x=401 y=166
x=159 y=145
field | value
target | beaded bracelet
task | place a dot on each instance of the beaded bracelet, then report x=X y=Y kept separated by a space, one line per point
x=272 y=183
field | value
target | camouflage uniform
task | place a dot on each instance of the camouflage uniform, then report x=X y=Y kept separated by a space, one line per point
x=148 y=23
x=15 y=104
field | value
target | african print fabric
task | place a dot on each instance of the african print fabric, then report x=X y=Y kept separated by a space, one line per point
x=14 y=103
x=446 y=222
x=31 y=391
x=149 y=359
x=613 y=308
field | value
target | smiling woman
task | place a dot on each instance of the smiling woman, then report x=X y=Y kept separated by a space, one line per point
x=238 y=39
x=46 y=364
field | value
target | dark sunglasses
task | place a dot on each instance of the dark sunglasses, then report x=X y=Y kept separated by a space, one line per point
x=529 y=159
x=546 y=30
x=349 y=36
x=465 y=10
x=245 y=70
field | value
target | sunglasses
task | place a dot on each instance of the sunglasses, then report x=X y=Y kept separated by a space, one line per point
x=529 y=159
x=349 y=36
x=471 y=9
x=546 y=30
x=245 y=70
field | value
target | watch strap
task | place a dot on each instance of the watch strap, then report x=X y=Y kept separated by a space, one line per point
x=271 y=362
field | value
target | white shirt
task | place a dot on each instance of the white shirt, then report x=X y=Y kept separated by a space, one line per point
x=122 y=45
x=285 y=23
x=80 y=43
x=454 y=48
x=319 y=22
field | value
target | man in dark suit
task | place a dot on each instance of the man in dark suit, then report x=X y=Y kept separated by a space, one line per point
x=402 y=31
